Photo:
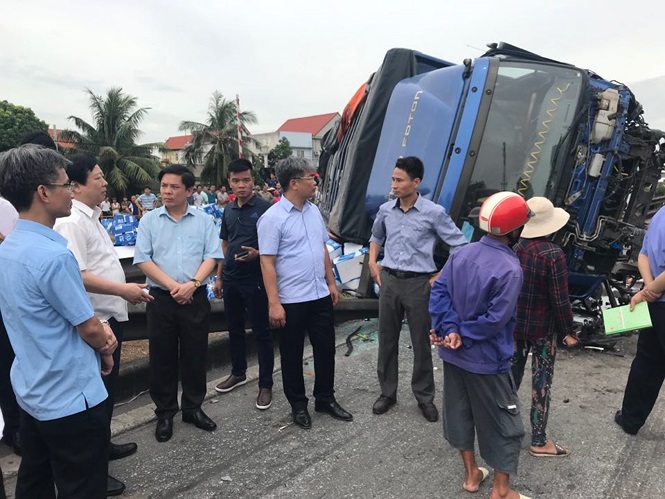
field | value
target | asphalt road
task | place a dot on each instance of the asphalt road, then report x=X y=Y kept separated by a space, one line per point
x=260 y=454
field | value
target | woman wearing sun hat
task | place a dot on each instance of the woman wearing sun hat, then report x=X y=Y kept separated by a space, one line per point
x=543 y=314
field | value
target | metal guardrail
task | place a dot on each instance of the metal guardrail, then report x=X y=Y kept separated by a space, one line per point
x=346 y=310
x=136 y=328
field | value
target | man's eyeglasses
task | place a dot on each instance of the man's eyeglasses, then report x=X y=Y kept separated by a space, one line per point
x=308 y=177
x=69 y=185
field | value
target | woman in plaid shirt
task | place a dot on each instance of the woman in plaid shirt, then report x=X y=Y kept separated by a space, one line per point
x=543 y=314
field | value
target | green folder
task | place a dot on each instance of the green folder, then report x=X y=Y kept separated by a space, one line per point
x=621 y=319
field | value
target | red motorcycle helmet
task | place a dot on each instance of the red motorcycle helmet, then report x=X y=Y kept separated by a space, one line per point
x=503 y=212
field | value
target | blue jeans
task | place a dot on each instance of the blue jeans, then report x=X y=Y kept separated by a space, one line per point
x=238 y=298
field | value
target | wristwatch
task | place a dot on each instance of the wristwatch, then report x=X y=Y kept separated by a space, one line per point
x=197 y=283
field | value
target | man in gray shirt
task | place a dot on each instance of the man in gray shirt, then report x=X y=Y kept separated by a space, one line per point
x=408 y=229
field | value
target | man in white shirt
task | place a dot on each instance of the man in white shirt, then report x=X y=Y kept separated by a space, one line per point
x=105 y=205
x=102 y=273
x=8 y=404
x=198 y=196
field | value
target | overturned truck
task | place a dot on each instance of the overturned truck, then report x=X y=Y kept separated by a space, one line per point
x=509 y=120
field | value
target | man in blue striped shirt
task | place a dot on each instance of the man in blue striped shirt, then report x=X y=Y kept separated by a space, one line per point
x=408 y=229
x=299 y=281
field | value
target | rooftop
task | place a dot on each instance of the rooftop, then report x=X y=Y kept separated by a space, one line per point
x=178 y=142
x=308 y=124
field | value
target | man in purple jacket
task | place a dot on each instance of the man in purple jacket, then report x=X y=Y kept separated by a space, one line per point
x=472 y=306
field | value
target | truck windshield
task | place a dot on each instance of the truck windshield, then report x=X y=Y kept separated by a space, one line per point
x=532 y=109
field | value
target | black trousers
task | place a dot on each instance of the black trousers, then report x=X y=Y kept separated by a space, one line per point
x=178 y=346
x=239 y=297
x=2 y=487
x=314 y=318
x=111 y=379
x=8 y=404
x=69 y=453
x=647 y=371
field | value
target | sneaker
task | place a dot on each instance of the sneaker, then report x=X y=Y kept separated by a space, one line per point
x=264 y=399
x=230 y=383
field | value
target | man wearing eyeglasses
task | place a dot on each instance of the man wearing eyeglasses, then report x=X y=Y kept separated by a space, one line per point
x=239 y=282
x=298 y=277
x=60 y=344
x=103 y=277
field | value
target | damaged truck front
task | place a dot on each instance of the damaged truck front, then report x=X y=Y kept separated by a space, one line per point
x=509 y=120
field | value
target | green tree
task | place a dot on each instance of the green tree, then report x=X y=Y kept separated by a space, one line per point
x=15 y=123
x=214 y=143
x=112 y=136
x=281 y=151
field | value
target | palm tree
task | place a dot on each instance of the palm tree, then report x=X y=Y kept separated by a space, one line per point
x=112 y=138
x=215 y=142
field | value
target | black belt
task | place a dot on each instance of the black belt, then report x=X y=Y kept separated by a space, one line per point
x=406 y=274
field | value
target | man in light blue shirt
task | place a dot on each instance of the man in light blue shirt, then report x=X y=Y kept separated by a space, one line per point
x=408 y=229
x=177 y=248
x=647 y=371
x=301 y=289
x=57 y=339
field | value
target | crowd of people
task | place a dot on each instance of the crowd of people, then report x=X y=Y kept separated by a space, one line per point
x=202 y=194
x=63 y=299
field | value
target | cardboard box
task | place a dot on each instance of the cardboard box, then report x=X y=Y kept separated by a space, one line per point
x=334 y=249
x=347 y=269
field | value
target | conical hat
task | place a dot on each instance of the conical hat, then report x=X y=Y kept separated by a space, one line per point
x=546 y=218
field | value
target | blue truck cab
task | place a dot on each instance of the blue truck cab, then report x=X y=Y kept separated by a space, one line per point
x=508 y=120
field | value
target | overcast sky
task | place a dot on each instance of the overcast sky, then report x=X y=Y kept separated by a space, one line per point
x=294 y=58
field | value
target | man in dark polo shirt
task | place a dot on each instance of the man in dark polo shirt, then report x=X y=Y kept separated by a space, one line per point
x=240 y=283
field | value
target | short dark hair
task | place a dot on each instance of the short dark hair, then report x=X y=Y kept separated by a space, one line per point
x=26 y=167
x=185 y=174
x=39 y=138
x=289 y=169
x=238 y=166
x=413 y=167
x=82 y=165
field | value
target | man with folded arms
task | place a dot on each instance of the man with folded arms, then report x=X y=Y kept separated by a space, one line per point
x=298 y=278
x=103 y=277
x=177 y=248
x=408 y=229
x=57 y=339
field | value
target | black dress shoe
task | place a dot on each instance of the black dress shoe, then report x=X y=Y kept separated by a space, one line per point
x=334 y=409
x=301 y=418
x=429 y=411
x=618 y=419
x=164 y=430
x=114 y=487
x=199 y=419
x=118 y=451
x=382 y=404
